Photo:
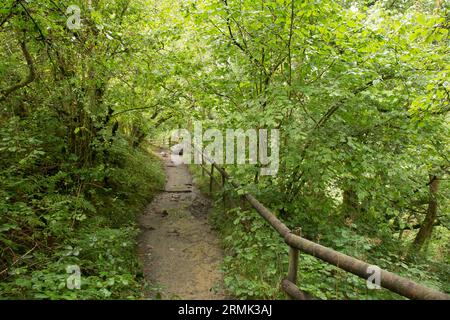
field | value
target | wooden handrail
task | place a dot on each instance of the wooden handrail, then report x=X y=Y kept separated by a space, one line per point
x=388 y=280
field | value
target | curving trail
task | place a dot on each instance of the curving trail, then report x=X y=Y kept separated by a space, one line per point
x=179 y=251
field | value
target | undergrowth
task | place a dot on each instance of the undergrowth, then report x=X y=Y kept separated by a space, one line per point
x=56 y=214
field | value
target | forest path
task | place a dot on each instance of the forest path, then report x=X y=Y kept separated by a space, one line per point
x=179 y=250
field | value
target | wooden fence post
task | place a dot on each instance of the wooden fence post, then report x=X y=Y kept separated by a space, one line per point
x=203 y=166
x=212 y=178
x=224 y=196
x=293 y=262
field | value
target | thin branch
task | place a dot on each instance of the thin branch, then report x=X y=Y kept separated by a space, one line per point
x=34 y=21
x=19 y=259
x=10 y=14
x=236 y=43
x=134 y=109
x=30 y=78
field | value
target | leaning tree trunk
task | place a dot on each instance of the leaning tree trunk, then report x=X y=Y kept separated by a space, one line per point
x=426 y=228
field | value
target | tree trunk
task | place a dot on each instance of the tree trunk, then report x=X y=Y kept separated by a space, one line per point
x=426 y=228
x=350 y=204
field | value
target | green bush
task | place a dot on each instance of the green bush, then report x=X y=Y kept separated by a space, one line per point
x=55 y=212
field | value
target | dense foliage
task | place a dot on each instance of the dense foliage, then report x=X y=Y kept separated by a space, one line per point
x=73 y=172
x=359 y=89
x=360 y=93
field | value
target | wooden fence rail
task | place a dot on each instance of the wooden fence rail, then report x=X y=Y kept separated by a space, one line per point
x=296 y=242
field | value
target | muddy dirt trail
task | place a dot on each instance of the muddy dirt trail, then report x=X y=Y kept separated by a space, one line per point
x=178 y=248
